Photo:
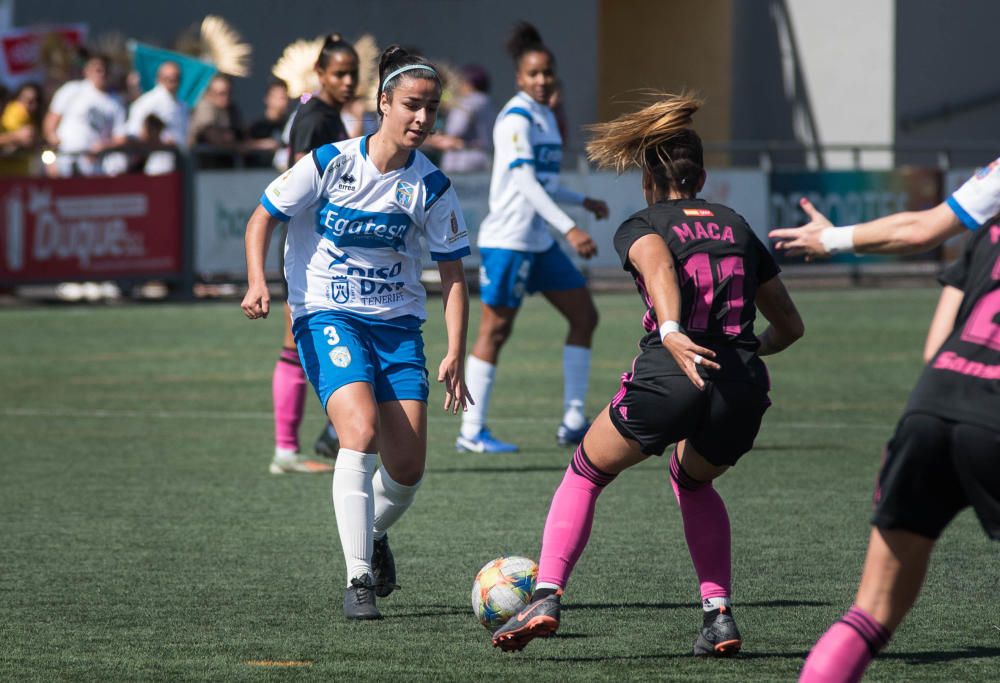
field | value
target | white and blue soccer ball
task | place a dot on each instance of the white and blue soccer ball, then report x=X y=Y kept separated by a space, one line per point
x=502 y=588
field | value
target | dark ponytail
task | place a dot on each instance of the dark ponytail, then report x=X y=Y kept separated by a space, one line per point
x=332 y=44
x=525 y=39
x=396 y=57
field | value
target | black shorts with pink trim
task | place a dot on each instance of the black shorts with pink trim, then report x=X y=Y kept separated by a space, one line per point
x=935 y=467
x=657 y=408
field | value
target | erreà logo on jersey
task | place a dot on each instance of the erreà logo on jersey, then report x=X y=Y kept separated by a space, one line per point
x=347 y=227
x=698 y=212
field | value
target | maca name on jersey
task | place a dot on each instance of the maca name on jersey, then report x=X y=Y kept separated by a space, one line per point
x=707 y=231
x=348 y=227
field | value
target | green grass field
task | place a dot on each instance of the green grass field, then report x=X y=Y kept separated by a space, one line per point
x=143 y=539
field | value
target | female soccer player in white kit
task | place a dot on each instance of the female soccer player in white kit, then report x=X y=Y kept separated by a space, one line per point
x=518 y=253
x=355 y=213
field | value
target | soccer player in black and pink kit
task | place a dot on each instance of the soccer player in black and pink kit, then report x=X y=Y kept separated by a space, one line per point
x=698 y=380
x=945 y=454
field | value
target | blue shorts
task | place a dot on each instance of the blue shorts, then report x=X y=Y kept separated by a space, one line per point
x=505 y=275
x=338 y=348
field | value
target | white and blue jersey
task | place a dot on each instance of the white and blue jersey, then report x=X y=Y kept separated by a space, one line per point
x=525 y=134
x=978 y=200
x=354 y=233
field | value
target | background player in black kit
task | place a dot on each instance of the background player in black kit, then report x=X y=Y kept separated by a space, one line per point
x=945 y=454
x=702 y=274
x=316 y=123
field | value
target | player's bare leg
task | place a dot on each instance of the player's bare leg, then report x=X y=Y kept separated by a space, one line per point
x=495 y=326
x=894 y=572
x=403 y=446
x=567 y=528
x=577 y=307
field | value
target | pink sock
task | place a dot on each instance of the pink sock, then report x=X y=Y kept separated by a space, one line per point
x=571 y=515
x=845 y=650
x=288 y=387
x=706 y=529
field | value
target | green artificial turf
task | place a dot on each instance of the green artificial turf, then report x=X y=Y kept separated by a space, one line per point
x=141 y=537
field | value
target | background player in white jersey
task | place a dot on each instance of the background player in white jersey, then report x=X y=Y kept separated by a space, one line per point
x=356 y=212
x=519 y=255
x=316 y=123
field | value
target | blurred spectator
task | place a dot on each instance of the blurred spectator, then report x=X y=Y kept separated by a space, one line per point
x=84 y=121
x=265 y=134
x=162 y=104
x=216 y=123
x=19 y=133
x=468 y=129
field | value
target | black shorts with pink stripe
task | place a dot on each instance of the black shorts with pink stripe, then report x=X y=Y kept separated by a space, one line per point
x=934 y=468
x=657 y=407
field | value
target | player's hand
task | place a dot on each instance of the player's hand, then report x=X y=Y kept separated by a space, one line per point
x=596 y=207
x=257 y=302
x=804 y=240
x=451 y=373
x=581 y=240
x=688 y=355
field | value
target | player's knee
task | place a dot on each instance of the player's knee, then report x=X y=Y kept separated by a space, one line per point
x=685 y=481
x=586 y=320
x=499 y=332
x=357 y=433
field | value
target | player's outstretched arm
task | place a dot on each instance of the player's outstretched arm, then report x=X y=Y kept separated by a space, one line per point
x=257 y=302
x=650 y=256
x=786 y=326
x=451 y=372
x=908 y=232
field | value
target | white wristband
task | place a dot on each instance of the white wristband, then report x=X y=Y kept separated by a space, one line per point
x=838 y=240
x=669 y=327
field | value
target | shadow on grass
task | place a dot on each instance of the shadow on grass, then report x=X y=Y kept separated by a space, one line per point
x=945 y=656
x=668 y=656
x=796 y=447
x=496 y=470
x=687 y=605
x=424 y=611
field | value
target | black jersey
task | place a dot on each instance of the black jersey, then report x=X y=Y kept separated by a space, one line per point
x=720 y=263
x=316 y=124
x=962 y=381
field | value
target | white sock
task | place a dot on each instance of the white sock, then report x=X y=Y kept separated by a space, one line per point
x=479 y=378
x=353 y=503
x=709 y=604
x=576 y=375
x=392 y=499
x=552 y=586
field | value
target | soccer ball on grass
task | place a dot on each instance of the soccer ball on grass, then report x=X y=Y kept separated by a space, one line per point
x=502 y=587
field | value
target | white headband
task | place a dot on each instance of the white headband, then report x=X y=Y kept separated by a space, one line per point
x=410 y=67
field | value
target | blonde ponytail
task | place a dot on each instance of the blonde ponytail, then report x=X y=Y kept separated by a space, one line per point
x=629 y=139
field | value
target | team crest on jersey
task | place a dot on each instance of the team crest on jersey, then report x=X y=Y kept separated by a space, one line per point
x=340 y=356
x=340 y=290
x=404 y=194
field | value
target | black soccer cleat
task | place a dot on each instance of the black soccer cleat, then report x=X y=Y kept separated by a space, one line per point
x=359 y=599
x=539 y=619
x=719 y=636
x=383 y=568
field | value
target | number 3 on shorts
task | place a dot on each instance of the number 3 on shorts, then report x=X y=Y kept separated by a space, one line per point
x=332 y=338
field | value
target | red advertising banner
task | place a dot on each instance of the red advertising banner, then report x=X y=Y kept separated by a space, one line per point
x=90 y=228
x=21 y=50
